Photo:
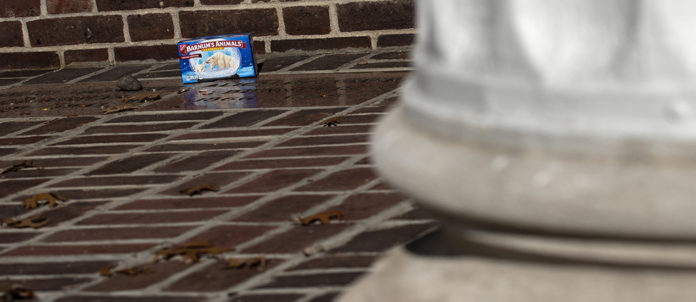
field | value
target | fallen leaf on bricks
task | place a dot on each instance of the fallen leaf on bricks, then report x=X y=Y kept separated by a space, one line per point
x=323 y=218
x=119 y=109
x=333 y=122
x=16 y=293
x=135 y=271
x=190 y=252
x=32 y=222
x=251 y=263
x=313 y=250
x=41 y=199
x=199 y=189
x=16 y=167
x=106 y=271
x=141 y=97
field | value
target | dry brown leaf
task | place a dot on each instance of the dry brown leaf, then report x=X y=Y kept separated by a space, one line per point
x=16 y=293
x=17 y=167
x=190 y=252
x=106 y=271
x=141 y=97
x=135 y=271
x=119 y=109
x=332 y=122
x=199 y=189
x=32 y=222
x=39 y=199
x=323 y=218
x=250 y=263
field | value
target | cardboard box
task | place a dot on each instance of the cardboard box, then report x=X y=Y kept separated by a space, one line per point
x=217 y=57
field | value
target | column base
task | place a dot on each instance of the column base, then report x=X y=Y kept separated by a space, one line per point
x=476 y=270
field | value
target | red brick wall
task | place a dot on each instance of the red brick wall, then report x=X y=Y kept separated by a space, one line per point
x=56 y=33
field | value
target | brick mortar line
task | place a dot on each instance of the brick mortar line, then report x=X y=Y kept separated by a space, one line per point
x=280 y=139
x=331 y=270
x=240 y=6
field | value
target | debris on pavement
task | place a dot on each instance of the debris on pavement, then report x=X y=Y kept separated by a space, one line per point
x=251 y=263
x=333 y=122
x=199 y=189
x=322 y=218
x=190 y=252
x=16 y=167
x=33 y=222
x=119 y=109
x=142 y=97
x=37 y=200
x=131 y=271
x=129 y=83
x=313 y=250
x=17 y=293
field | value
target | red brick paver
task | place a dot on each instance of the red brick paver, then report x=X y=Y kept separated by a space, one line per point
x=265 y=168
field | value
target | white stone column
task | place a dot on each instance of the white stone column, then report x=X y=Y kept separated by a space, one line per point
x=556 y=141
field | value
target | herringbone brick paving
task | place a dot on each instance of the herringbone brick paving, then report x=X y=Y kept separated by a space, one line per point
x=123 y=175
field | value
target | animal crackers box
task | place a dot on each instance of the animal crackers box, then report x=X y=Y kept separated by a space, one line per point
x=216 y=57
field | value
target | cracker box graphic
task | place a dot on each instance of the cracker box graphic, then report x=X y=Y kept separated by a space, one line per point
x=216 y=57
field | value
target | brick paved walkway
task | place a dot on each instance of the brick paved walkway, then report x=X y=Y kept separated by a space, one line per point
x=122 y=175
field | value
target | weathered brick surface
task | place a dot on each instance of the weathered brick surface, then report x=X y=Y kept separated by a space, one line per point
x=75 y=30
x=139 y=128
x=119 y=138
x=375 y=15
x=188 y=203
x=218 y=179
x=47 y=250
x=330 y=261
x=284 y=208
x=115 y=5
x=86 y=55
x=326 y=140
x=311 y=151
x=396 y=40
x=282 y=163
x=60 y=125
x=214 y=277
x=197 y=161
x=307 y=20
x=29 y=60
x=150 y=218
x=141 y=53
x=197 y=147
x=115 y=234
x=68 y=6
x=329 y=62
x=230 y=236
x=313 y=280
x=53 y=268
x=380 y=239
x=261 y=22
x=26 y=8
x=62 y=76
x=11 y=34
x=246 y=118
x=296 y=239
x=319 y=44
x=130 y=164
x=274 y=180
x=150 y=27
x=304 y=117
x=116 y=180
x=8 y=187
x=157 y=273
x=14 y=238
x=166 y=117
x=44 y=284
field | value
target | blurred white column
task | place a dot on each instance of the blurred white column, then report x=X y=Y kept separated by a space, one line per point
x=556 y=142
